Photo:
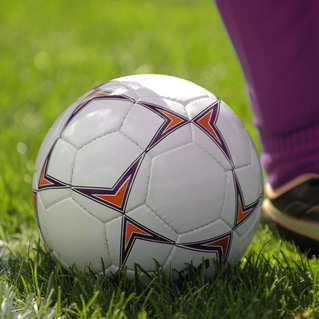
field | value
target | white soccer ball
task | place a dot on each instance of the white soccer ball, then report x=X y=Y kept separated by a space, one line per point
x=144 y=168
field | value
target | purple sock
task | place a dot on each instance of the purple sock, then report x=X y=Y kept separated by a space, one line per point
x=277 y=43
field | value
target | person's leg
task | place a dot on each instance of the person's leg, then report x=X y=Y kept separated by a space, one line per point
x=277 y=43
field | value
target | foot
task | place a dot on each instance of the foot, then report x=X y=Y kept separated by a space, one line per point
x=295 y=214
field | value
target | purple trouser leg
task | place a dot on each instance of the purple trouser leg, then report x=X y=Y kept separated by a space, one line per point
x=277 y=43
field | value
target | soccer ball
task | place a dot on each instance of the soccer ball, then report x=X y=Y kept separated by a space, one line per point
x=144 y=168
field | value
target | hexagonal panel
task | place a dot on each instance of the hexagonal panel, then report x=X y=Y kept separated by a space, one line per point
x=186 y=188
x=102 y=162
x=145 y=253
x=52 y=136
x=179 y=137
x=35 y=181
x=52 y=196
x=141 y=125
x=149 y=219
x=61 y=161
x=41 y=213
x=113 y=235
x=211 y=242
x=249 y=179
x=240 y=244
x=139 y=188
x=235 y=135
x=254 y=218
x=212 y=230
x=118 y=87
x=131 y=242
x=76 y=236
x=96 y=209
x=206 y=143
x=155 y=85
x=229 y=207
x=153 y=118
x=95 y=119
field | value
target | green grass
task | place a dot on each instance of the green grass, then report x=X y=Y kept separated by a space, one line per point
x=51 y=53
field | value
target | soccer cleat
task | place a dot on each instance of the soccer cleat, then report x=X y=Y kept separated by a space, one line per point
x=295 y=214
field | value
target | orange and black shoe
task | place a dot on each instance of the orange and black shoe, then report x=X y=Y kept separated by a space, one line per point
x=295 y=215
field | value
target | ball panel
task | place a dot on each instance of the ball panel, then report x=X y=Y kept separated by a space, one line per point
x=254 y=217
x=155 y=85
x=145 y=253
x=137 y=128
x=76 y=236
x=110 y=271
x=229 y=208
x=145 y=216
x=113 y=236
x=214 y=229
x=165 y=104
x=178 y=138
x=206 y=143
x=102 y=162
x=197 y=106
x=54 y=132
x=186 y=188
x=249 y=180
x=61 y=161
x=119 y=88
x=139 y=188
x=35 y=181
x=52 y=196
x=180 y=258
x=41 y=221
x=101 y=212
x=235 y=136
x=240 y=244
x=97 y=118
x=57 y=258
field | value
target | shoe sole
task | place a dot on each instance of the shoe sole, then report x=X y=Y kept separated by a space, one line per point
x=303 y=228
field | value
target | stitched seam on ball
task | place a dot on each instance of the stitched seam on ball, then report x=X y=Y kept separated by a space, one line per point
x=173 y=149
x=59 y=201
x=169 y=256
x=212 y=222
x=98 y=137
x=101 y=135
x=107 y=246
x=44 y=222
x=125 y=85
x=241 y=167
x=224 y=200
x=124 y=119
x=211 y=157
x=136 y=143
x=163 y=220
x=148 y=182
x=83 y=206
